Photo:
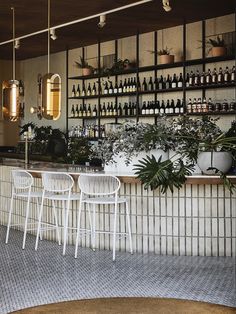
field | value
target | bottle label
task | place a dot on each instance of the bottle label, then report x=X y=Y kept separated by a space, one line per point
x=173 y=85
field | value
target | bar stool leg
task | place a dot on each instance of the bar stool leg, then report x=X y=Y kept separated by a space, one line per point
x=26 y=221
x=39 y=222
x=56 y=222
x=38 y=209
x=9 y=218
x=114 y=234
x=78 y=229
x=94 y=227
x=129 y=227
x=67 y=208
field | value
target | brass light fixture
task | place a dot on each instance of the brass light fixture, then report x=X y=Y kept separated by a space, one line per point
x=10 y=89
x=51 y=87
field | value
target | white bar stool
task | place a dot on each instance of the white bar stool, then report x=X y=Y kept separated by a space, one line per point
x=22 y=188
x=59 y=185
x=102 y=189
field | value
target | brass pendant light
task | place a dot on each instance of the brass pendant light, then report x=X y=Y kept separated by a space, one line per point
x=51 y=87
x=10 y=89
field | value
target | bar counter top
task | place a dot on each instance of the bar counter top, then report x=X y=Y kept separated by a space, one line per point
x=36 y=167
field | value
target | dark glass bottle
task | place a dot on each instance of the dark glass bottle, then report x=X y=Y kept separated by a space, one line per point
x=174 y=81
x=77 y=110
x=125 y=86
x=227 y=76
x=73 y=93
x=191 y=78
x=157 y=107
x=180 y=81
x=119 y=111
x=150 y=84
x=115 y=91
x=134 y=108
x=168 y=82
x=162 y=107
x=208 y=77
x=172 y=106
x=125 y=109
x=73 y=111
x=220 y=76
x=106 y=89
x=233 y=75
x=189 y=106
x=214 y=76
x=110 y=90
x=120 y=88
x=94 y=90
x=203 y=79
x=160 y=83
x=197 y=79
x=83 y=90
x=89 y=112
x=177 y=107
x=89 y=90
x=95 y=112
x=144 y=85
x=143 y=110
x=187 y=80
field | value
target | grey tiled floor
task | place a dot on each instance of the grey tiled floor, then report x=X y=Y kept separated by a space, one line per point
x=29 y=278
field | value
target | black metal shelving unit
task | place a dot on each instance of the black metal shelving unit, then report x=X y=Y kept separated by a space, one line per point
x=204 y=61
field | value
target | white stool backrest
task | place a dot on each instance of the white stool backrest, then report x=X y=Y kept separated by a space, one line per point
x=57 y=181
x=98 y=184
x=22 y=179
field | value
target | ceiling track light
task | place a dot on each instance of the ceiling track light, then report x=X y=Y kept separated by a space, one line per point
x=53 y=34
x=166 y=5
x=102 y=21
x=17 y=43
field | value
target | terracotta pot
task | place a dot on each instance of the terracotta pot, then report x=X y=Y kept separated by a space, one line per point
x=218 y=51
x=86 y=71
x=166 y=59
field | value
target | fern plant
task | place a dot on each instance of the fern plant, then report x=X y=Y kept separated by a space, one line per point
x=218 y=42
x=83 y=64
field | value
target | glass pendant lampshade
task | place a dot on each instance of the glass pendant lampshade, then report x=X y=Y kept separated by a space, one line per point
x=10 y=89
x=51 y=96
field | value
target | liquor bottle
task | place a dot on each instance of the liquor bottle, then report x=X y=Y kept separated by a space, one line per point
x=89 y=112
x=78 y=91
x=130 y=110
x=177 y=107
x=164 y=83
x=203 y=79
x=172 y=106
x=167 y=110
x=94 y=90
x=128 y=86
x=143 y=110
x=108 y=109
x=189 y=106
x=220 y=76
x=204 y=105
x=197 y=79
x=77 y=111
x=150 y=84
x=168 y=82
x=80 y=111
x=21 y=88
x=210 y=105
x=134 y=108
x=95 y=112
x=187 y=80
x=181 y=109
x=134 y=85
x=233 y=75
x=174 y=81
x=73 y=93
x=120 y=89
x=162 y=107
x=217 y=107
x=83 y=90
x=227 y=76
x=224 y=106
x=208 y=77
x=138 y=85
x=157 y=107
x=111 y=109
x=214 y=76
x=191 y=78
x=152 y=107
x=160 y=83
x=73 y=111
x=106 y=89
x=180 y=81
x=144 y=85
x=199 y=105
x=115 y=91
x=125 y=86
x=156 y=83
x=119 y=111
x=110 y=90
x=89 y=90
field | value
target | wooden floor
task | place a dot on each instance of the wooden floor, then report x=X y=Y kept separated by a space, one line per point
x=130 y=306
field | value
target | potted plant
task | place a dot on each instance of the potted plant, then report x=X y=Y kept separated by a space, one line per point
x=217 y=47
x=86 y=68
x=165 y=57
x=131 y=142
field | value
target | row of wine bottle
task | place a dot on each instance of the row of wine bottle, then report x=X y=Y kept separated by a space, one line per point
x=90 y=131
x=158 y=83
x=203 y=106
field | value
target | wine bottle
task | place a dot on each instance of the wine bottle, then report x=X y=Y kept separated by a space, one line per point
x=89 y=90
x=156 y=83
x=125 y=86
x=130 y=110
x=197 y=79
x=199 y=105
x=204 y=105
x=189 y=106
x=89 y=113
x=119 y=112
x=108 y=109
x=150 y=84
x=148 y=108
x=210 y=105
x=180 y=81
x=177 y=107
x=220 y=77
x=203 y=79
x=214 y=76
x=125 y=109
x=115 y=91
x=80 y=111
x=208 y=77
x=194 y=105
x=187 y=80
x=134 y=85
x=138 y=85
x=128 y=86
x=120 y=89
x=182 y=107
x=162 y=107
x=172 y=106
x=226 y=75
x=94 y=90
x=168 y=82
x=73 y=111
x=83 y=90
x=95 y=112
x=174 y=81
x=115 y=110
x=144 y=85
x=78 y=91
x=191 y=78
x=77 y=111
x=110 y=90
x=160 y=83
x=84 y=110
x=111 y=109
x=233 y=75
x=143 y=111
x=134 y=108
x=157 y=107
x=106 y=89
x=73 y=93
x=103 y=113
x=151 y=110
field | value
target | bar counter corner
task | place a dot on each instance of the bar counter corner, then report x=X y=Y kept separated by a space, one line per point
x=198 y=219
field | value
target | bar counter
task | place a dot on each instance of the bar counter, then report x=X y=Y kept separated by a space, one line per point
x=198 y=219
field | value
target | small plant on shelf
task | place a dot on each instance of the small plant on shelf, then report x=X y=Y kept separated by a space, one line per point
x=165 y=56
x=217 y=46
x=119 y=65
x=86 y=68
x=165 y=51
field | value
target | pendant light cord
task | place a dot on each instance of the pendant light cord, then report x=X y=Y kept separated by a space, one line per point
x=49 y=9
x=13 y=45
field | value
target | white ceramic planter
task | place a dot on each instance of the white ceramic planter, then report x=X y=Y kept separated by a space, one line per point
x=119 y=165
x=219 y=160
